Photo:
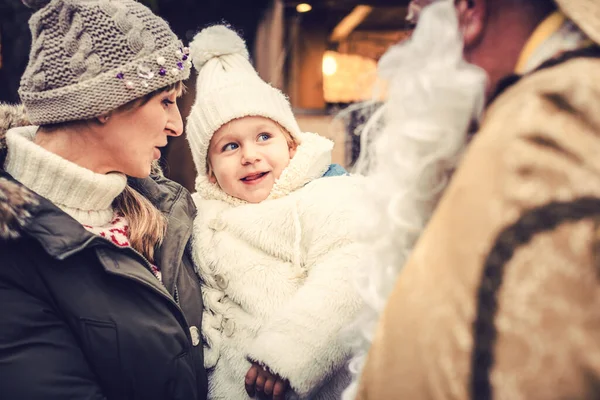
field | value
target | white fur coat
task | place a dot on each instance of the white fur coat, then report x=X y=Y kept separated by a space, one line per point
x=276 y=278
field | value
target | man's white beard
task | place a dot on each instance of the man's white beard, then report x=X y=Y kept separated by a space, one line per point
x=433 y=97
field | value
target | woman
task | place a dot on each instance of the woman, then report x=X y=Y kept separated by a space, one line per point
x=99 y=295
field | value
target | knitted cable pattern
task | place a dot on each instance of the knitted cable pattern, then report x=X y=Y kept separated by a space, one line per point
x=538 y=220
x=33 y=78
x=139 y=40
x=78 y=45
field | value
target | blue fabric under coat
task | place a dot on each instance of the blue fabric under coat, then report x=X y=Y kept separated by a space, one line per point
x=335 y=170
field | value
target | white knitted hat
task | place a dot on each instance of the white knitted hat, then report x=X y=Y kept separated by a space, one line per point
x=228 y=88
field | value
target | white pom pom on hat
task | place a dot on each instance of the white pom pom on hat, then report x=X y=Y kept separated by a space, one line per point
x=216 y=41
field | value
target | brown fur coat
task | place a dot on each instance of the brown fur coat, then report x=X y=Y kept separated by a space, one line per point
x=477 y=289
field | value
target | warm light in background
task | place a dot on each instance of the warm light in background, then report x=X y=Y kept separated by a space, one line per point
x=349 y=78
x=329 y=64
x=303 y=7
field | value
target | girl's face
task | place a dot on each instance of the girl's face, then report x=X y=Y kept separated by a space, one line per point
x=131 y=138
x=247 y=155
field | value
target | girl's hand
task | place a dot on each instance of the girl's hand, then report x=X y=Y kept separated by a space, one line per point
x=260 y=381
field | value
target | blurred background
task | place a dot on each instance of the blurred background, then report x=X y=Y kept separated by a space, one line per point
x=322 y=53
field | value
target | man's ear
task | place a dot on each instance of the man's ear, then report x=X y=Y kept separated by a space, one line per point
x=472 y=15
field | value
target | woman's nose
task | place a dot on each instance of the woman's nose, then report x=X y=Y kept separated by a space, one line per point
x=175 y=123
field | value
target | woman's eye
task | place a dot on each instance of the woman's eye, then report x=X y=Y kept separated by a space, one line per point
x=168 y=102
x=230 y=146
x=263 y=137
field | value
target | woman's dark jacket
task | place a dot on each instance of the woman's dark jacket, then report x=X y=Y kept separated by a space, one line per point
x=83 y=319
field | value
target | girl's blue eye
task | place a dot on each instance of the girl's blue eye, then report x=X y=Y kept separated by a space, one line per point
x=230 y=146
x=263 y=137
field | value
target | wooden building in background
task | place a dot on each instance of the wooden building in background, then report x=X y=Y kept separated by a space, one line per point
x=324 y=59
x=321 y=53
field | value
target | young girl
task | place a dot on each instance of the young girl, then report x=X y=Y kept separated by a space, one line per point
x=273 y=243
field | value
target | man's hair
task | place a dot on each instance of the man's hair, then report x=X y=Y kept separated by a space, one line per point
x=433 y=97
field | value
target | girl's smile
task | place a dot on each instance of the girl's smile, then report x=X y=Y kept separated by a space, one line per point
x=254 y=179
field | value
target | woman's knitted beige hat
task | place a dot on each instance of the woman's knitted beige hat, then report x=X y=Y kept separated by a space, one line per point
x=585 y=13
x=89 y=57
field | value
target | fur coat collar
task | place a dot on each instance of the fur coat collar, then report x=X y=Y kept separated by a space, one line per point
x=16 y=201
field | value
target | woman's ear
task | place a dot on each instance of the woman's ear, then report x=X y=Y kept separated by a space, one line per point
x=471 y=18
x=103 y=119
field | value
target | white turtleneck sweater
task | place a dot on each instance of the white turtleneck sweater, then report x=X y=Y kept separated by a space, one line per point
x=83 y=194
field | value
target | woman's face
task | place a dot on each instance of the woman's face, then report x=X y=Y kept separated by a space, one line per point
x=132 y=138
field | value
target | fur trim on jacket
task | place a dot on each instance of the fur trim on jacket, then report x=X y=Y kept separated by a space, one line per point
x=16 y=201
x=277 y=286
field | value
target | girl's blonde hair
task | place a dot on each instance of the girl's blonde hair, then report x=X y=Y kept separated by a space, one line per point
x=291 y=142
x=147 y=224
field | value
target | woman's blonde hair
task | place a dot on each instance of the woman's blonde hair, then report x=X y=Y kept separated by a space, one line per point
x=147 y=224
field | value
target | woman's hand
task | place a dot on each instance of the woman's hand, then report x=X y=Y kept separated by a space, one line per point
x=265 y=384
